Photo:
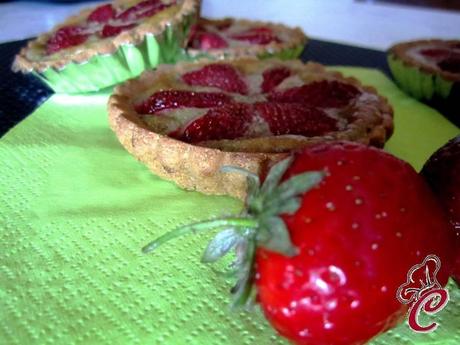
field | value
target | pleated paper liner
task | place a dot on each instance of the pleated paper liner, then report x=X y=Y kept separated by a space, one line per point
x=128 y=61
x=435 y=90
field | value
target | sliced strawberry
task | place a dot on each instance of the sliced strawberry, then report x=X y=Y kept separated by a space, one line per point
x=111 y=30
x=292 y=118
x=102 y=14
x=171 y=99
x=323 y=93
x=435 y=53
x=273 y=77
x=222 y=76
x=65 y=37
x=143 y=9
x=260 y=35
x=227 y=122
x=207 y=41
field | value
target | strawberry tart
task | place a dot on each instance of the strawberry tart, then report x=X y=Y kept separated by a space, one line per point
x=108 y=44
x=429 y=70
x=235 y=38
x=188 y=120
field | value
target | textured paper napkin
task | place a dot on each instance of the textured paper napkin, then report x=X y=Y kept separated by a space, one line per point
x=76 y=209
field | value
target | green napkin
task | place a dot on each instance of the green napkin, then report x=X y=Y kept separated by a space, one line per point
x=76 y=210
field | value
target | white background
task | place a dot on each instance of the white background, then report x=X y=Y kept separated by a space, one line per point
x=353 y=22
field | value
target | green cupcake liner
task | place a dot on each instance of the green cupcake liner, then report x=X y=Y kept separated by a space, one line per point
x=128 y=61
x=417 y=83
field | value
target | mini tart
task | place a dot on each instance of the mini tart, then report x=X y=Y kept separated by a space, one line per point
x=109 y=44
x=231 y=38
x=429 y=70
x=185 y=123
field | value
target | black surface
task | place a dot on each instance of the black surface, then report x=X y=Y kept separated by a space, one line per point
x=329 y=53
x=21 y=94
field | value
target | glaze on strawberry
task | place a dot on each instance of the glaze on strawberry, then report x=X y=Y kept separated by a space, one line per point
x=173 y=99
x=221 y=76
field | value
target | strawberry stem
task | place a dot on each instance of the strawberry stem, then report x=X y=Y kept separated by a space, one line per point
x=234 y=222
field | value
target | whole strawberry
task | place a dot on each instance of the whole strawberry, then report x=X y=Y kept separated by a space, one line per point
x=442 y=171
x=326 y=241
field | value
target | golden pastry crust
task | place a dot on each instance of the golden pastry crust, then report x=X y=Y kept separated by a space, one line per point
x=80 y=54
x=400 y=51
x=197 y=166
x=297 y=38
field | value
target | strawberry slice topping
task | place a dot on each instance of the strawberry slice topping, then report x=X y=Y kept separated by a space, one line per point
x=234 y=120
x=260 y=35
x=222 y=76
x=111 y=30
x=294 y=111
x=207 y=41
x=227 y=122
x=447 y=60
x=291 y=118
x=435 y=52
x=171 y=99
x=65 y=37
x=325 y=93
x=70 y=36
x=273 y=77
x=102 y=14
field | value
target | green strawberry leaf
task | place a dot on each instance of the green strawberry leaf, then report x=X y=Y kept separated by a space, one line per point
x=279 y=240
x=297 y=185
x=220 y=245
x=289 y=206
x=274 y=176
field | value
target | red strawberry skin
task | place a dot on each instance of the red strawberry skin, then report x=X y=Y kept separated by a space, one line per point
x=222 y=76
x=208 y=41
x=442 y=171
x=111 y=30
x=296 y=119
x=273 y=77
x=102 y=14
x=358 y=233
x=65 y=37
x=227 y=122
x=259 y=35
x=171 y=99
x=323 y=93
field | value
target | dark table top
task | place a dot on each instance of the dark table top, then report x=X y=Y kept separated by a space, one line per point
x=21 y=94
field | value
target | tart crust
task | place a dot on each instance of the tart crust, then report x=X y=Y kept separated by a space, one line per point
x=109 y=46
x=197 y=166
x=297 y=41
x=400 y=51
